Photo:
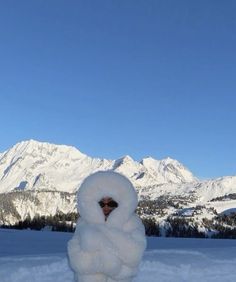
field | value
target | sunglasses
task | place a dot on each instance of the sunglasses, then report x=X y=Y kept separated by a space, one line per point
x=111 y=204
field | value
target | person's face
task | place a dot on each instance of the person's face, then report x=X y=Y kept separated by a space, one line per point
x=107 y=205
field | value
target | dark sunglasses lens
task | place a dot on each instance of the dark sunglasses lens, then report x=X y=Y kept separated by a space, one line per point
x=102 y=205
x=111 y=204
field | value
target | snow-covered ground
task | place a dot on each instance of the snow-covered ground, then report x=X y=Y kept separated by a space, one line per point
x=35 y=256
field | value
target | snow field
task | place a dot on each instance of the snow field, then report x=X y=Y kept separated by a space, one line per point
x=33 y=256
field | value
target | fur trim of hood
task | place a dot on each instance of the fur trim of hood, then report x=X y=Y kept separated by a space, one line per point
x=106 y=184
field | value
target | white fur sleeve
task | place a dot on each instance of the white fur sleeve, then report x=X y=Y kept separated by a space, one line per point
x=90 y=253
x=82 y=261
x=129 y=245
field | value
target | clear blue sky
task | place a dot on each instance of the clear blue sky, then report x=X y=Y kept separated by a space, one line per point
x=143 y=78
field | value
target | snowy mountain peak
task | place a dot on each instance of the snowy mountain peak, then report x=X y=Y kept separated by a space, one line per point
x=150 y=162
x=122 y=161
x=31 y=162
x=33 y=146
x=171 y=170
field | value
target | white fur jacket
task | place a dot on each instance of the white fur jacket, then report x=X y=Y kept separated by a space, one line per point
x=111 y=250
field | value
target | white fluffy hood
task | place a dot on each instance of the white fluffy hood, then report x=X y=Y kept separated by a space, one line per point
x=107 y=184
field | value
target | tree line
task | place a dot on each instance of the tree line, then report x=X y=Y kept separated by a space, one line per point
x=220 y=226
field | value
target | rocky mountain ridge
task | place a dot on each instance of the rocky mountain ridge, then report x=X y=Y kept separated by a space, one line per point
x=32 y=165
x=41 y=179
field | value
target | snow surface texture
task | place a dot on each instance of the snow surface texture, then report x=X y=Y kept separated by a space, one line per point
x=111 y=250
x=36 y=256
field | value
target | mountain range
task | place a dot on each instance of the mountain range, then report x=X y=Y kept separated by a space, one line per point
x=39 y=178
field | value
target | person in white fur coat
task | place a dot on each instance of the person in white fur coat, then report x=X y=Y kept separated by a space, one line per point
x=109 y=240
